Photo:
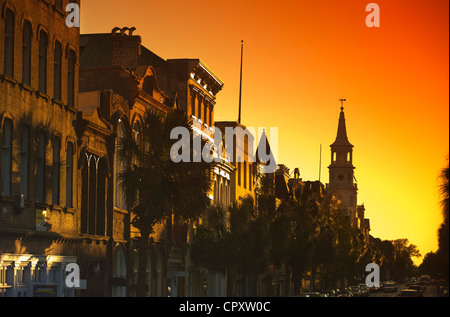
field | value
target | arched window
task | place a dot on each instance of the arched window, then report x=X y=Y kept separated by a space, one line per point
x=100 y=211
x=55 y=170
x=43 y=45
x=9 y=43
x=40 y=173
x=119 y=272
x=26 y=53
x=24 y=162
x=6 y=158
x=159 y=276
x=57 y=60
x=239 y=171
x=93 y=195
x=245 y=174
x=69 y=175
x=216 y=191
x=148 y=85
x=71 y=78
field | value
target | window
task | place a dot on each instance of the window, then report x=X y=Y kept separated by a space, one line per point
x=24 y=162
x=205 y=113
x=239 y=172
x=245 y=174
x=250 y=177
x=40 y=173
x=43 y=43
x=71 y=79
x=199 y=109
x=9 y=43
x=57 y=70
x=119 y=196
x=210 y=115
x=119 y=271
x=69 y=175
x=6 y=158
x=194 y=112
x=26 y=53
x=55 y=170
x=93 y=195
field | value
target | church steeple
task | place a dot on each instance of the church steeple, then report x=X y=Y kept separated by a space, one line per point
x=341 y=169
x=341 y=137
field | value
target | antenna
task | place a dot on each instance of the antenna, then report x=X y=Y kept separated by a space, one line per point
x=240 y=88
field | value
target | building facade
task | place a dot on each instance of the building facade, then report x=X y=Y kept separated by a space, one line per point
x=39 y=221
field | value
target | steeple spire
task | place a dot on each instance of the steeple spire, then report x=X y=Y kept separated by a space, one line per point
x=341 y=138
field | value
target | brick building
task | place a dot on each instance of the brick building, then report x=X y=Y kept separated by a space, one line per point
x=117 y=67
x=38 y=103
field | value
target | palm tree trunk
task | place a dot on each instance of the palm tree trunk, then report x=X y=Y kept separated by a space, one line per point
x=141 y=287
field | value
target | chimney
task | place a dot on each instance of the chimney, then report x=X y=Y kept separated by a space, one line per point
x=126 y=48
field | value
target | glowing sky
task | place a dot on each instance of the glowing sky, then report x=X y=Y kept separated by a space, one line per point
x=300 y=57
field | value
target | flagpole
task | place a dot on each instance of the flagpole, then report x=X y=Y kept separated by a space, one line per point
x=240 y=88
x=320 y=162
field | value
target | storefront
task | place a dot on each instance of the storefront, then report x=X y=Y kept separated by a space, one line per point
x=30 y=275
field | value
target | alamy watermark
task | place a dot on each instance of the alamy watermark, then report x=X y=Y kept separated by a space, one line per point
x=236 y=145
x=373 y=18
x=73 y=18
x=73 y=277
x=373 y=278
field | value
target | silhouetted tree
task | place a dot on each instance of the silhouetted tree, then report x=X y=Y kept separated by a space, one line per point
x=443 y=232
x=154 y=186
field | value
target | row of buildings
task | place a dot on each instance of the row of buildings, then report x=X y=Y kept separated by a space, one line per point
x=65 y=100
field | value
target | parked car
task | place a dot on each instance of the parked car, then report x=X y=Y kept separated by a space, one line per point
x=410 y=293
x=364 y=290
x=375 y=289
x=417 y=287
x=390 y=287
x=328 y=293
x=311 y=294
x=354 y=289
x=343 y=292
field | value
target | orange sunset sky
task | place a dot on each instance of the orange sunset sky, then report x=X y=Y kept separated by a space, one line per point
x=300 y=57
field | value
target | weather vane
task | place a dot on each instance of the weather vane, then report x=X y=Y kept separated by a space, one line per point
x=342 y=103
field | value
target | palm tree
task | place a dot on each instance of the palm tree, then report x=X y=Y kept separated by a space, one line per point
x=154 y=186
x=443 y=232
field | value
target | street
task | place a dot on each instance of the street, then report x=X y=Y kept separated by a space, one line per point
x=429 y=291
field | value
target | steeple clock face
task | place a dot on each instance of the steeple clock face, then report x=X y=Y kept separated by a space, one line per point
x=341 y=177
